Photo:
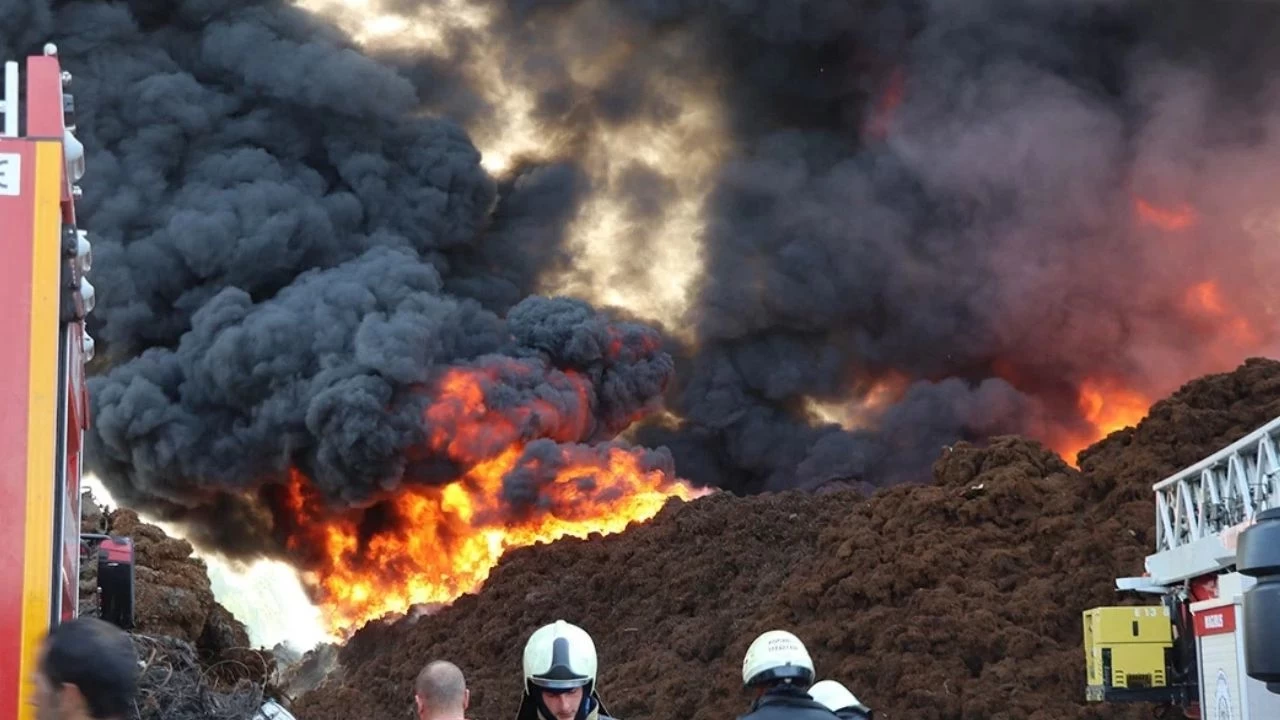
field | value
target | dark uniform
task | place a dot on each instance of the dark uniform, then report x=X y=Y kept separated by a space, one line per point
x=787 y=702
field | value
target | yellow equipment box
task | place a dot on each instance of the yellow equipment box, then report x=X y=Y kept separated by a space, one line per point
x=1126 y=653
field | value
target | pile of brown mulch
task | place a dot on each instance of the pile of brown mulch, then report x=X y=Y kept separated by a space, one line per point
x=954 y=601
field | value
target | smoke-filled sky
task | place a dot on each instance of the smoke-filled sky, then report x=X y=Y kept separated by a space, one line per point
x=776 y=209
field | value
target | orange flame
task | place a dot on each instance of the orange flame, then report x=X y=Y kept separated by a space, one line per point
x=1106 y=406
x=873 y=397
x=433 y=543
x=886 y=391
x=1205 y=297
x=1204 y=301
x=1180 y=217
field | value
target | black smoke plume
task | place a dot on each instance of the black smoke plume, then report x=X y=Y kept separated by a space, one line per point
x=289 y=259
x=289 y=249
x=934 y=189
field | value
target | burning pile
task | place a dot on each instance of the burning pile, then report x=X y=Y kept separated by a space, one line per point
x=827 y=237
x=418 y=478
x=432 y=544
x=959 y=599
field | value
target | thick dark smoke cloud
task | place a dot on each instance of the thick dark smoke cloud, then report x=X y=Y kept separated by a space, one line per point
x=289 y=260
x=329 y=376
x=986 y=245
x=230 y=149
x=294 y=242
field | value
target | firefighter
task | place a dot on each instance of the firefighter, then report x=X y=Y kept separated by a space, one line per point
x=840 y=701
x=778 y=668
x=88 y=670
x=560 y=675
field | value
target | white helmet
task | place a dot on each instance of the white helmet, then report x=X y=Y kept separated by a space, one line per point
x=834 y=695
x=560 y=656
x=777 y=656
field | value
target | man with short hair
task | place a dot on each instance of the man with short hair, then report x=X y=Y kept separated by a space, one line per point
x=440 y=692
x=88 y=670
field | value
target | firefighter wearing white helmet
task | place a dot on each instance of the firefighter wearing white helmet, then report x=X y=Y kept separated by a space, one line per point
x=840 y=701
x=778 y=668
x=560 y=675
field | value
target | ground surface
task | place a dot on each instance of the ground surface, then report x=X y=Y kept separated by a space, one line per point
x=956 y=601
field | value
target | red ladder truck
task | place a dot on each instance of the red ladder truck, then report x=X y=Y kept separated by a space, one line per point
x=1211 y=649
x=46 y=297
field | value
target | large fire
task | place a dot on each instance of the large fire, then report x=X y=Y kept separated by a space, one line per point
x=1107 y=404
x=505 y=477
x=1104 y=405
x=432 y=543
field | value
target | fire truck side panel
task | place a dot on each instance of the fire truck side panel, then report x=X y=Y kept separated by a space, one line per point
x=29 y=288
x=1220 y=668
x=41 y=561
x=70 y=585
x=74 y=420
x=1257 y=701
x=17 y=160
x=66 y=545
x=43 y=107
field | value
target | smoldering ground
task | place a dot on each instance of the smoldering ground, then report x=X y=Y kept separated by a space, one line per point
x=288 y=248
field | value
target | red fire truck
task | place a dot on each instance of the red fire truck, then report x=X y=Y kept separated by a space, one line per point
x=1211 y=648
x=46 y=297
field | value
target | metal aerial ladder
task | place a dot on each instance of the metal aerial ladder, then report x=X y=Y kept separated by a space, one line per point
x=1201 y=509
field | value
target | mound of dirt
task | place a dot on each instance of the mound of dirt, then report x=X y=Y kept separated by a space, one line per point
x=957 y=600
